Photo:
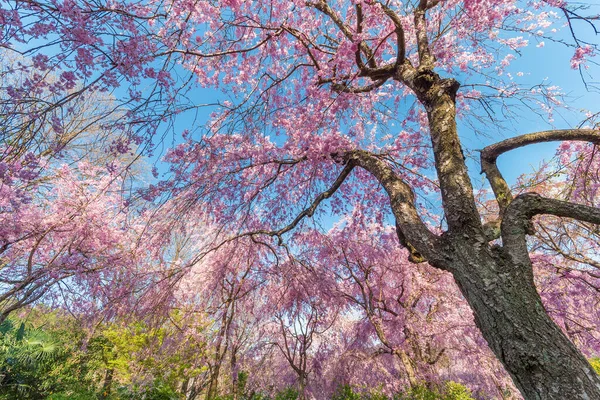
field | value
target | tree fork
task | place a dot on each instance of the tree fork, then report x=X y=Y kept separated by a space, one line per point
x=498 y=286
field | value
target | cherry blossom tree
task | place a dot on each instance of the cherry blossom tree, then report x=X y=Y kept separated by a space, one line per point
x=354 y=102
x=65 y=233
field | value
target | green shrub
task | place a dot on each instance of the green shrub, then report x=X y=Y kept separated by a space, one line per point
x=449 y=391
x=287 y=394
x=159 y=390
x=456 y=391
x=595 y=361
x=420 y=392
x=346 y=392
x=82 y=394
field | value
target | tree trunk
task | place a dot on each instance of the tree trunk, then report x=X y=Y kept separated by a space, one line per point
x=411 y=374
x=222 y=341
x=498 y=281
x=234 y=375
x=107 y=385
x=541 y=360
x=302 y=383
x=498 y=285
x=213 y=383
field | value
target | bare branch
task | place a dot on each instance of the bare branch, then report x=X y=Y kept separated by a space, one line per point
x=491 y=153
x=518 y=214
x=308 y=212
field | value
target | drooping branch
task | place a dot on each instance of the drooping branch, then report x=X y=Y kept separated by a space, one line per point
x=310 y=210
x=412 y=232
x=306 y=43
x=490 y=154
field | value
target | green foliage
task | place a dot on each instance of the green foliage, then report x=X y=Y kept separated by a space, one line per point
x=595 y=362
x=287 y=394
x=81 y=394
x=456 y=391
x=346 y=392
x=43 y=357
x=38 y=363
x=242 y=380
x=158 y=390
x=420 y=392
x=449 y=391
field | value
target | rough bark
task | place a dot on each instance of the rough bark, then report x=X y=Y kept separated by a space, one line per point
x=409 y=368
x=496 y=281
x=541 y=360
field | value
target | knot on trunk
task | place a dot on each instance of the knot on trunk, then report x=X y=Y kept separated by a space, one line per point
x=451 y=87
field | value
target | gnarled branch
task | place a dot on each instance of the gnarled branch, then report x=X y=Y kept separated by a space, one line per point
x=490 y=154
x=517 y=216
x=402 y=200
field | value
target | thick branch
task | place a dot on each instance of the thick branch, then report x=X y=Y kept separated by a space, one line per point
x=490 y=154
x=401 y=42
x=402 y=201
x=517 y=217
x=345 y=88
x=426 y=59
x=438 y=96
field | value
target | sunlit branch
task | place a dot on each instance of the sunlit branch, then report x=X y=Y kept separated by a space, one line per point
x=426 y=59
x=490 y=154
x=402 y=200
x=517 y=216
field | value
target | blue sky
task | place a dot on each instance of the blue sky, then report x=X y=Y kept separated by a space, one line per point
x=550 y=64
